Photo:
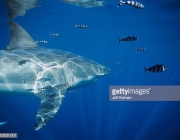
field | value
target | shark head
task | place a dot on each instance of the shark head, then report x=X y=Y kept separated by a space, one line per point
x=79 y=76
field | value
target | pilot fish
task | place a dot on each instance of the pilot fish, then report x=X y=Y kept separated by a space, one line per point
x=156 y=68
x=128 y=38
x=132 y=3
x=54 y=34
x=42 y=41
x=140 y=49
x=80 y=26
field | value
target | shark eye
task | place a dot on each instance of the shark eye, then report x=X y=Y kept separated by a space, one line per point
x=104 y=70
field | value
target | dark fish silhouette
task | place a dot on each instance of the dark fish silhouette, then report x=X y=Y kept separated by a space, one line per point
x=132 y=3
x=156 y=68
x=119 y=70
x=140 y=49
x=43 y=79
x=29 y=90
x=128 y=38
x=80 y=26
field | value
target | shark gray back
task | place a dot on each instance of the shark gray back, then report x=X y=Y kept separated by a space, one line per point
x=26 y=68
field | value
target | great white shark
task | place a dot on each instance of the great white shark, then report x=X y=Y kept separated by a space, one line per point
x=27 y=69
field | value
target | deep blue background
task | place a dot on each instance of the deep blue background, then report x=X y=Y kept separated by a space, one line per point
x=88 y=114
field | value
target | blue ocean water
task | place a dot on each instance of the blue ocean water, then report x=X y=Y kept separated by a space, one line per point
x=88 y=114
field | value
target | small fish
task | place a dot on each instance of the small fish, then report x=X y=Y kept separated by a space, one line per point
x=46 y=87
x=54 y=34
x=119 y=70
x=42 y=41
x=46 y=93
x=2 y=123
x=72 y=91
x=80 y=26
x=132 y=3
x=43 y=79
x=156 y=68
x=49 y=92
x=108 y=61
x=117 y=63
x=140 y=49
x=28 y=90
x=128 y=38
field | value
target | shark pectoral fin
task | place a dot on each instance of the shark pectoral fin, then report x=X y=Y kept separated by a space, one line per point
x=50 y=103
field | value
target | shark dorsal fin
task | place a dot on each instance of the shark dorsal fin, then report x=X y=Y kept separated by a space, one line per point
x=19 y=38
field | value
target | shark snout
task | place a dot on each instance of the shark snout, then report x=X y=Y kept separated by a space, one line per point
x=106 y=70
